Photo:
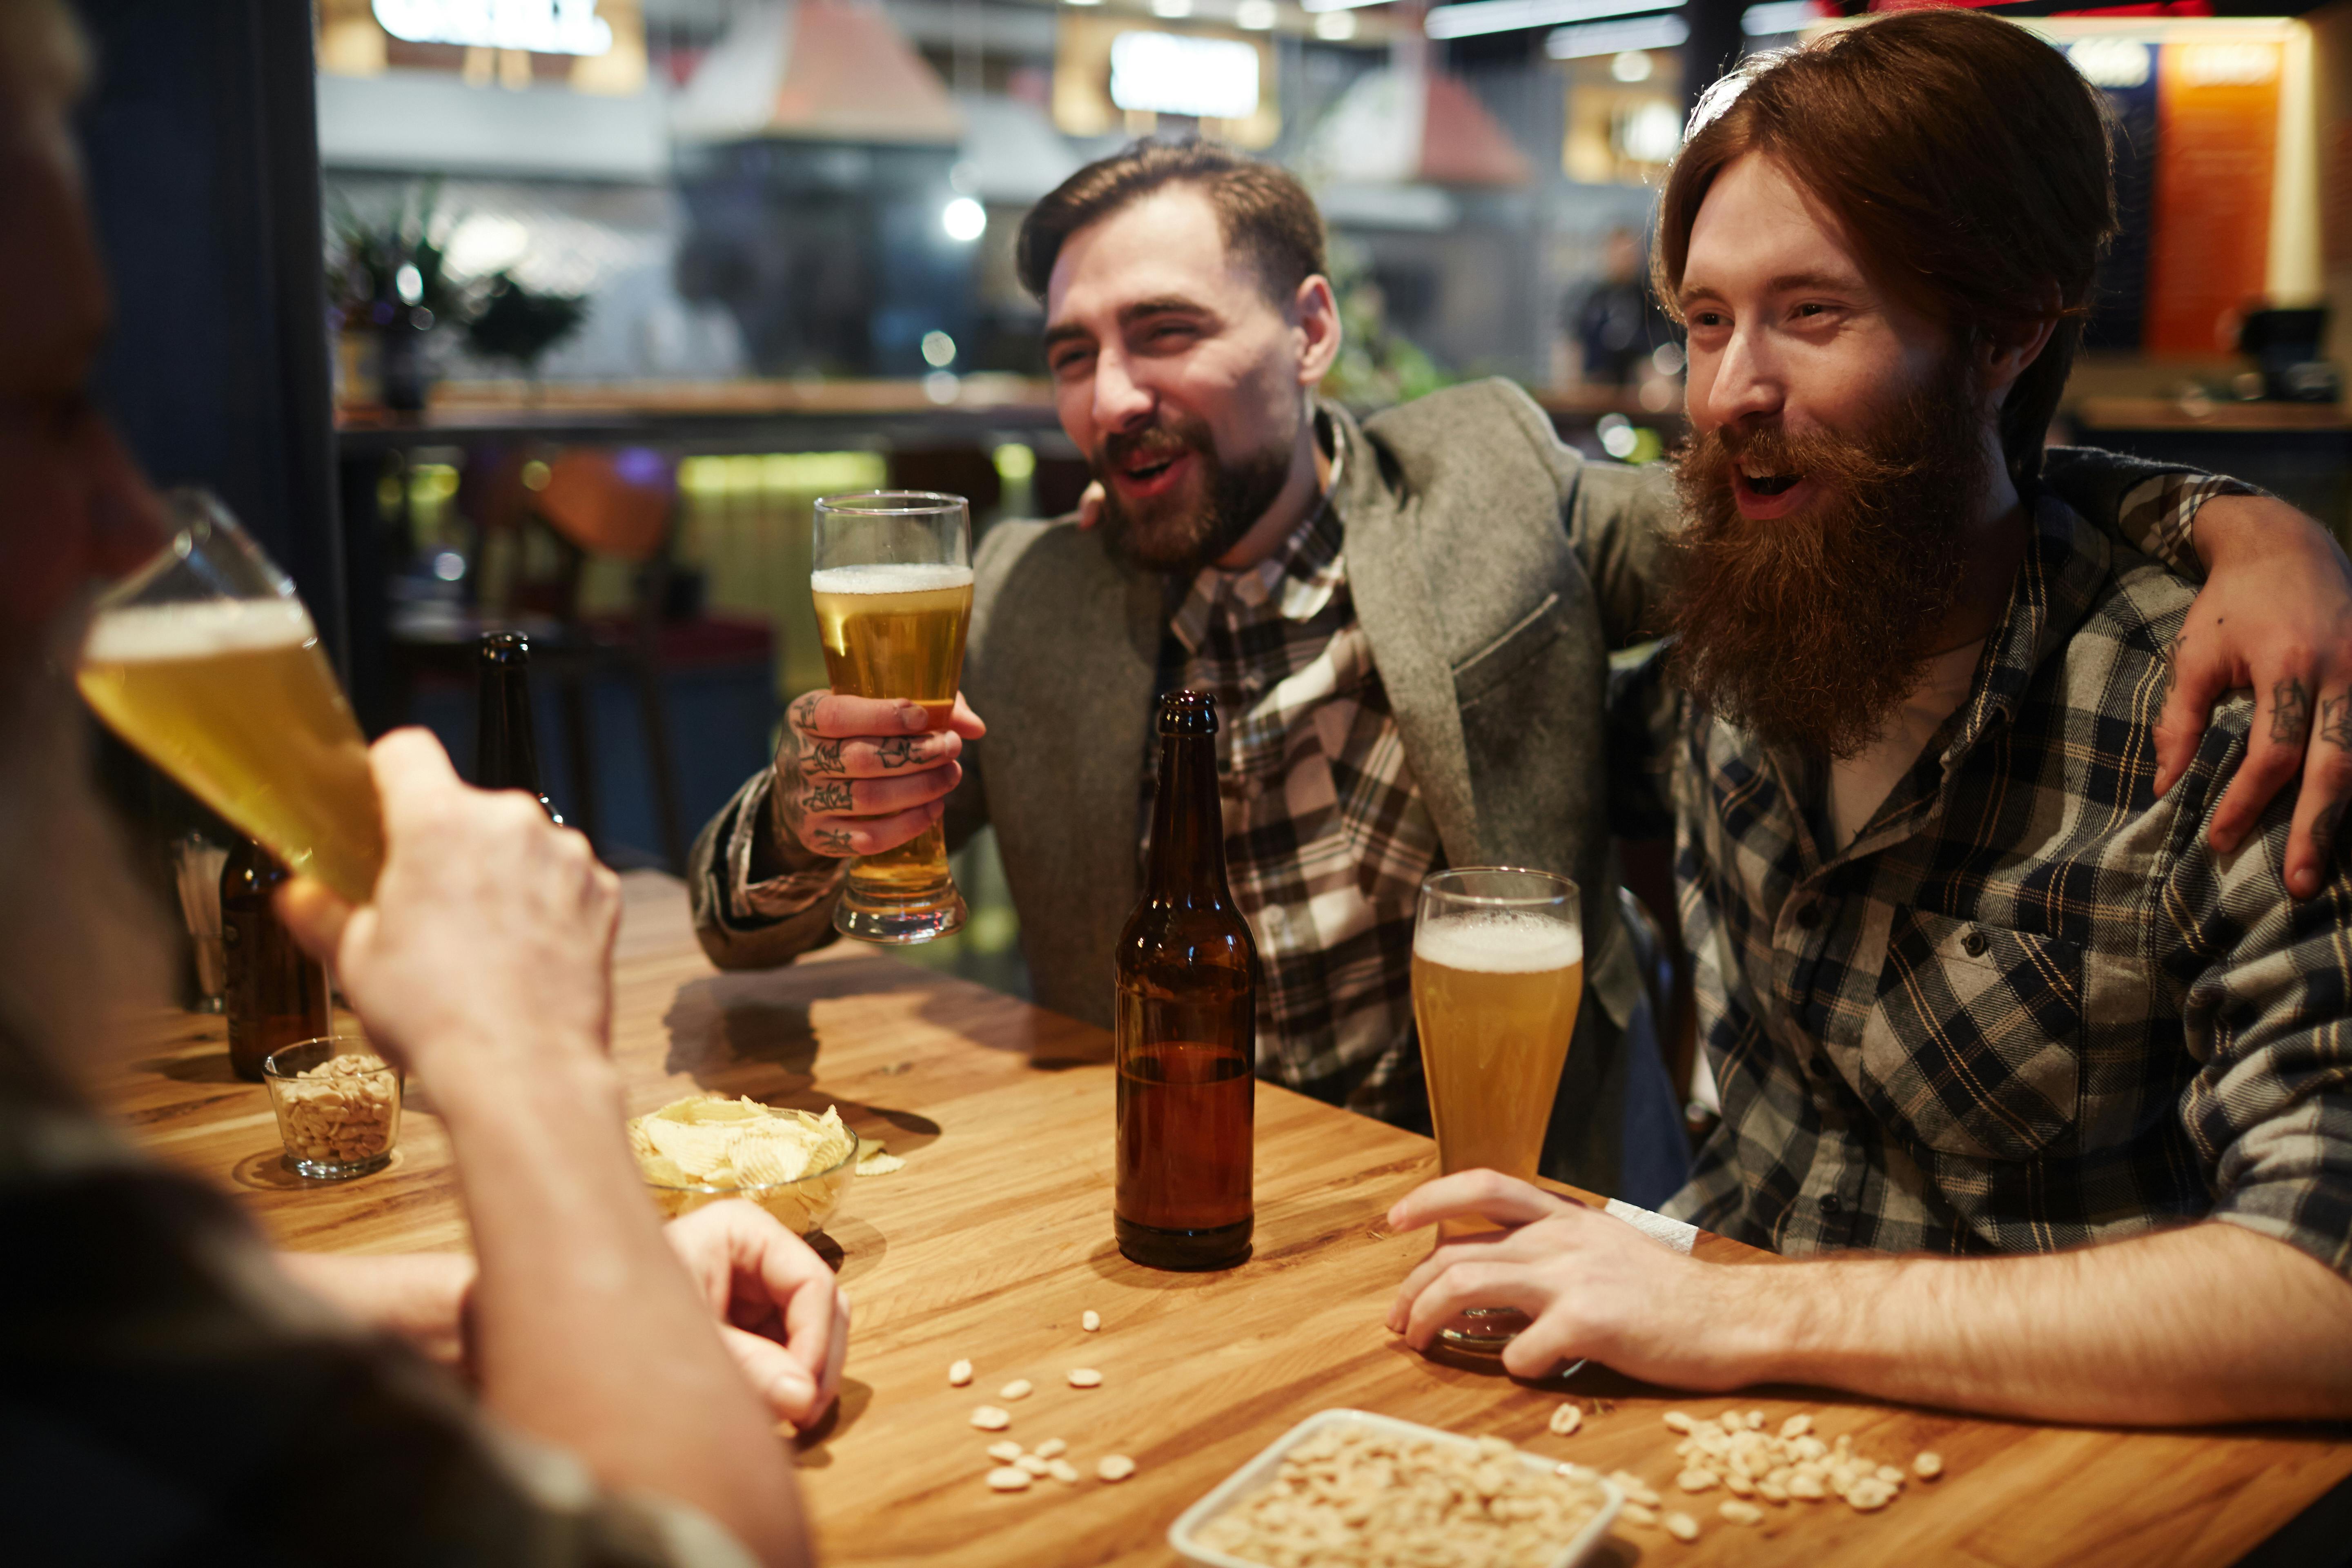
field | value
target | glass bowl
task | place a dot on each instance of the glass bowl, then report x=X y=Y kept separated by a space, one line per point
x=802 y=1205
x=337 y=1121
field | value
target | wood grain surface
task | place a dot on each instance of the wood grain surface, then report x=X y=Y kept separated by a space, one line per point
x=997 y=1236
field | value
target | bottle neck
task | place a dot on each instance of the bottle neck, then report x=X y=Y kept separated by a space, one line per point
x=506 y=749
x=1188 y=825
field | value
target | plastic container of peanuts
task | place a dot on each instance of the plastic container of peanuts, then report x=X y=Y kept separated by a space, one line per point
x=337 y=1107
x=1185 y=1535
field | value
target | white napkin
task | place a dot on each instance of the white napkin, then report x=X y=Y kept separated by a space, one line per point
x=1671 y=1232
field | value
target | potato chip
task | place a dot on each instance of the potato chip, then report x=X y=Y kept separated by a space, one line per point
x=664 y=1170
x=702 y=1149
x=761 y=1162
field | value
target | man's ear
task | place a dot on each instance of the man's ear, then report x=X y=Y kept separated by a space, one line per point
x=1315 y=317
x=2007 y=352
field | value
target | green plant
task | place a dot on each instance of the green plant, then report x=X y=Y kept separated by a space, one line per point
x=366 y=275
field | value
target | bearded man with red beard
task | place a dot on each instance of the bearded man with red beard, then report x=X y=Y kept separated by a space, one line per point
x=1975 y=978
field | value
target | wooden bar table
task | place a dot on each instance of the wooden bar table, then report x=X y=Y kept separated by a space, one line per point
x=997 y=1236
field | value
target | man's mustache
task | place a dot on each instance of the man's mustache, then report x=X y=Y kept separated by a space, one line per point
x=1153 y=441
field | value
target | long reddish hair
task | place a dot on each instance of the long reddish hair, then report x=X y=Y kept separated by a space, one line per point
x=1967 y=160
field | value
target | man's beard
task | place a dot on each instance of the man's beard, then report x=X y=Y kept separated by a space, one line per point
x=80 y=937
x=1809 y=630
x=1184 y=530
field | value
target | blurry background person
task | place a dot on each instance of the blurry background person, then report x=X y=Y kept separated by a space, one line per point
x=1616 y=324
x=1405 y=622
x=170 y=1391
x=2040 y=1012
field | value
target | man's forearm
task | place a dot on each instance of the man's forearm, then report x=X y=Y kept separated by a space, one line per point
x=585 y=1330
x=2209 y=1322
x=419 y=1296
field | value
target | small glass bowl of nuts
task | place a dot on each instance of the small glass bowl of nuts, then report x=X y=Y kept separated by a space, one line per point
x=337 y=1107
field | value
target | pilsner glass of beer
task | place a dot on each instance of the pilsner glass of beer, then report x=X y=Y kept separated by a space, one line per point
x=1498 y=971
x=206 y=662
x=893 y=589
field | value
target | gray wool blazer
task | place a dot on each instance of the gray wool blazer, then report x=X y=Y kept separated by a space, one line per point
x=1492 y=567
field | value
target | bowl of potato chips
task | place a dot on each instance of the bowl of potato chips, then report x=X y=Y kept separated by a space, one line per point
x=707 y=1148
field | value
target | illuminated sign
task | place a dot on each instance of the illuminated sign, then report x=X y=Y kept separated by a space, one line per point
x=542 y=26
x=1211 y=79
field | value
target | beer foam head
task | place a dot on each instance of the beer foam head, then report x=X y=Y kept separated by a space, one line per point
x=892 y=579
x=147 y=633
x=1502 y=942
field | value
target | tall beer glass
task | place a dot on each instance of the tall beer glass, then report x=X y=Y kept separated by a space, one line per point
x=206 y=661
x=1498 y=971
x=893 y=589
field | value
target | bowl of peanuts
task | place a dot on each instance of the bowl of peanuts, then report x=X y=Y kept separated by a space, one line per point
x=337 y=1107
x=1352 y=1489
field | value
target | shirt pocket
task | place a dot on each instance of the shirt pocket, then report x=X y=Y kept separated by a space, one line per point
x=1974 y=1044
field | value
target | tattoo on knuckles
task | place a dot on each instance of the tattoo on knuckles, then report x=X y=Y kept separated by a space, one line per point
x=2290 y=711
x=824 y=797
x=824 y=756
x=899 y=752
x=2336 y=720
x=834 y=841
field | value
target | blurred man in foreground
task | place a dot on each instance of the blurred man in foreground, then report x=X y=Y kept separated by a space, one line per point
x=1973 y=976
x=1405 y=622
x=170 y=1391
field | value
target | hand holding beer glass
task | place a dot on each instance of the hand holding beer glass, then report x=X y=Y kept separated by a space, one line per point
x=892 y=581
x=1497 y=973
x=206 y=662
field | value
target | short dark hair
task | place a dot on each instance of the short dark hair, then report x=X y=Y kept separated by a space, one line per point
x=1262 y=210
x=1969 y=162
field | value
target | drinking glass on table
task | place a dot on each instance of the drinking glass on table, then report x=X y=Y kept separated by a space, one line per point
x=892 y=581
x=205 y=660
x=1498 y=971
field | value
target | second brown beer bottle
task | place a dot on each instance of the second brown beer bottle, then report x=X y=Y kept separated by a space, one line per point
x=276 y=995
x=506 y=745
x=1187 y=1023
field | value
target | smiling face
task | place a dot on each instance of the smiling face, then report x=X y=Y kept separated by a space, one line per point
x=1843 y=463
x=1789 y=340
x=1182 y=381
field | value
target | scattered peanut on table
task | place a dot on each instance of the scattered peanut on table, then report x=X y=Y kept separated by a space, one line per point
x=1736 y=1452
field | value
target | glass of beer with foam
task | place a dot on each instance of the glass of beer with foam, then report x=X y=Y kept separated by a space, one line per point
x=893 y=588
x=206 y=661
x=1498 y=971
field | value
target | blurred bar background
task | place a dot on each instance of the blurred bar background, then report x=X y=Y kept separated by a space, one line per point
x=558 y=314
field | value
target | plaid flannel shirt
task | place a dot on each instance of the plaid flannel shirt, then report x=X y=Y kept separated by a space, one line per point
x=1326 y=839
x=2029 y=1006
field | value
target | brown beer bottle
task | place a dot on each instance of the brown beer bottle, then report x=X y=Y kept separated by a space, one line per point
x=1187 y=977
x=276 y=995
x=506 y=746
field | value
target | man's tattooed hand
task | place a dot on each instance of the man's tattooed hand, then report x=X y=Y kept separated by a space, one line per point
x=865 y=767
x=2290 y=711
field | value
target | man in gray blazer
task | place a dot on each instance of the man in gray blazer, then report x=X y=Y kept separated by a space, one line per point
x=1406 y=621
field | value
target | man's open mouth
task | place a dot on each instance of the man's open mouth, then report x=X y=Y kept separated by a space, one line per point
x=1147 y=470
x=1771 y=484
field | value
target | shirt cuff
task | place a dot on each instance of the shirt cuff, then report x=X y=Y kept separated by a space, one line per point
x=776 y=897
x=2161 y=515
